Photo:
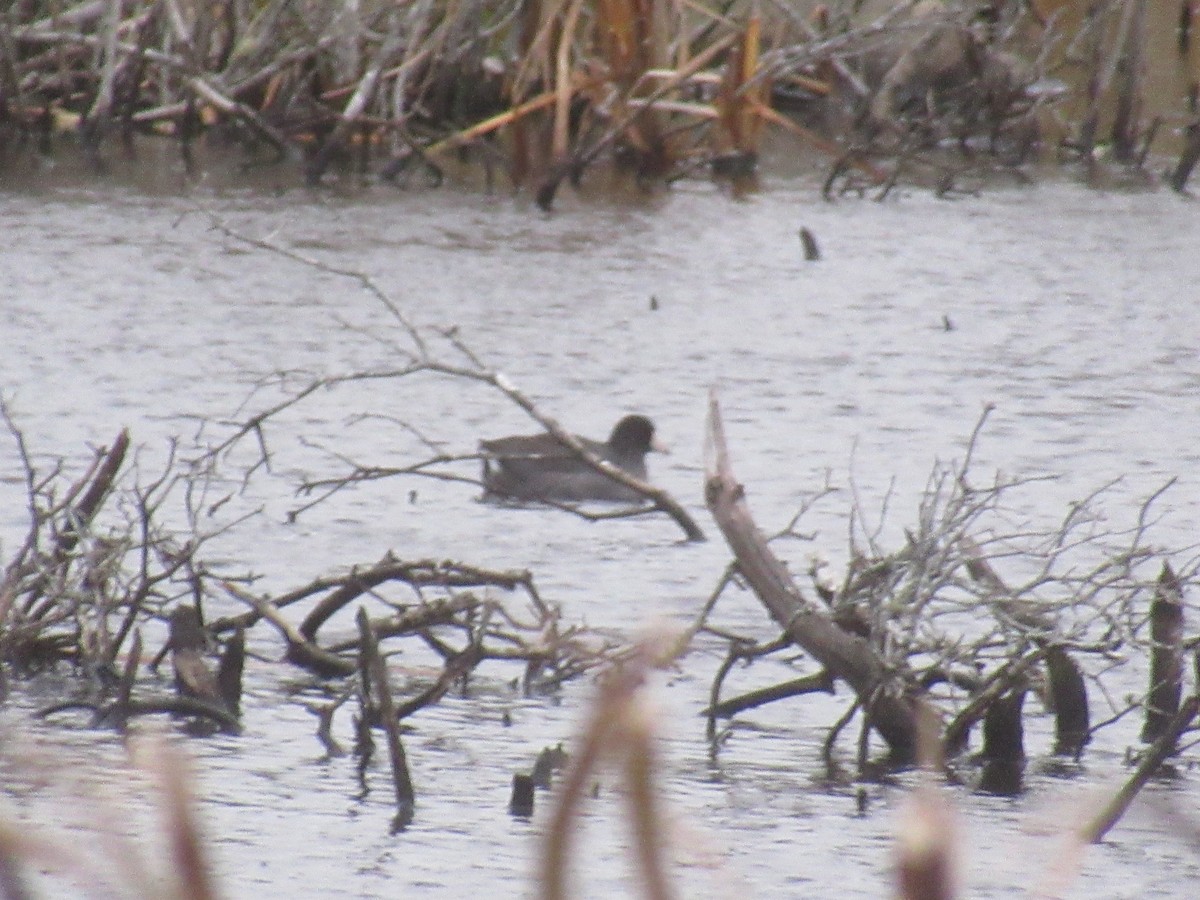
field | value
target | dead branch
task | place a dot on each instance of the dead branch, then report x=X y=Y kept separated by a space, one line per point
x=421 y=360
x=425 y=573
x=300 y=650
x=821 y=682
x=846 y=656
x=375 y=671
x=937 y=610
x=1164 y=746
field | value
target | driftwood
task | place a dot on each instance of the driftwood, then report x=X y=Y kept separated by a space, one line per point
x=229 y=671
x=1001 y=682
x=90 y=559
x=300 y=650
x=116 y=712
x=424 y=573
x=1068 y=691
x=520 y=804
x=820 y=683
x=76 y=516
x=846 y=656
x=200 y=694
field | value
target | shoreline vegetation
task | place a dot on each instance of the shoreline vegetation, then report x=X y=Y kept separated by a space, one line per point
x=530 y=94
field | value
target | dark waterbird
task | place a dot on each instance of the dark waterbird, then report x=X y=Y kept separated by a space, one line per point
x=538 y=467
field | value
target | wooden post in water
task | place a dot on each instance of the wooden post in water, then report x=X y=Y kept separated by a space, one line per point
x=1004 y=745
x=1068 y=693
x=1166 y=656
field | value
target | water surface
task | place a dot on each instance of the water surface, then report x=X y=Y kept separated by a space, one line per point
x=1073 y=312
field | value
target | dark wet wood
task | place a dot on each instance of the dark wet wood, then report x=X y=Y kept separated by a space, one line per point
x=818 y=683
x=521 y=802
x=115 y=713
x=1003 y=756
x=1001 y=681
x=1190 y=154
x=300 y=650
x=128 y=676
x=1068 y=691
x=422 y=573
x=376 y=684
x=1003 y=730
x=846 y=656
x=1166 y=656
x=229 y=671
x=1130 y=75
x=1069 y=700
x=808 y=241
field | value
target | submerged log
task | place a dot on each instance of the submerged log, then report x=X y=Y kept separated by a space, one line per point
x=1166 y=656
x=808 y=241
x=846 y=656
x=1004 y=679
x=422 y=573
x=118 y=711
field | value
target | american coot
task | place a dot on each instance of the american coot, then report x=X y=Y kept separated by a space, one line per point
x=538 y=467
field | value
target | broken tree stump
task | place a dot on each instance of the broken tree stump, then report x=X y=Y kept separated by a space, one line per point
x=1166 y=656
x=847 y=656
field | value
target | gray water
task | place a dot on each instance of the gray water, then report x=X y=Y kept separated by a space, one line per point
x=1074 y=312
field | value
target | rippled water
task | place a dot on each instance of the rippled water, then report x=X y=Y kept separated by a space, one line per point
x=1073 y=311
